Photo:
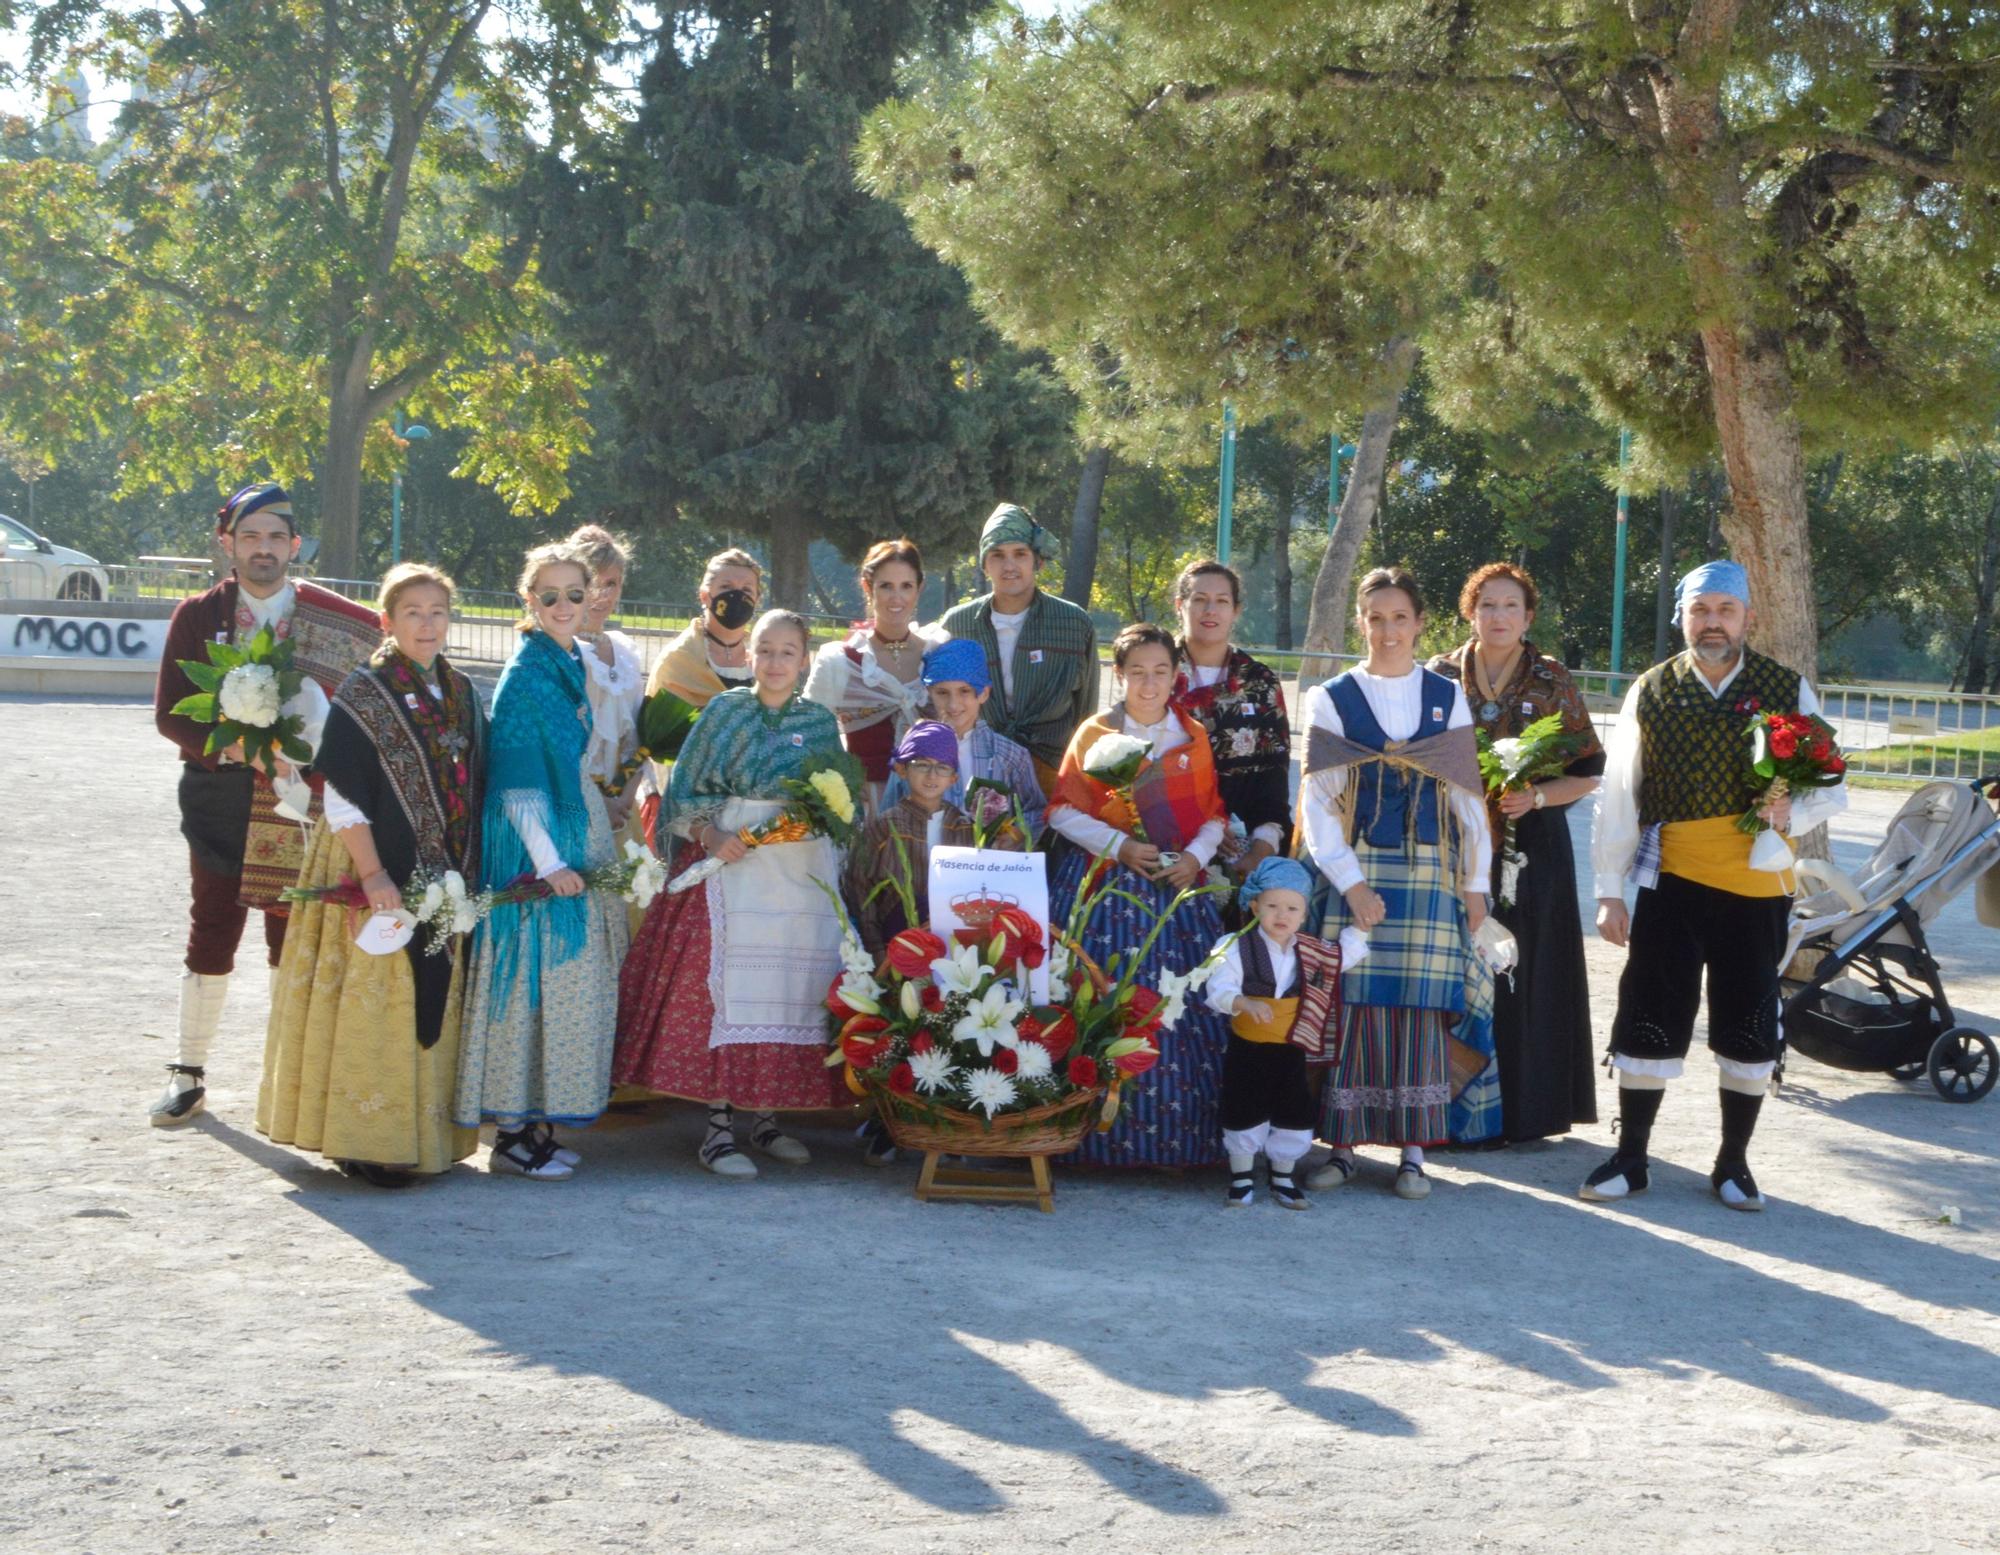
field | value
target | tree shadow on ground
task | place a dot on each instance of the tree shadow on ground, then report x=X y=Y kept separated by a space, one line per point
x=719 y=1300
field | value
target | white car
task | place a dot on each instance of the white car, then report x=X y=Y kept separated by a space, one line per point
x=34 y=567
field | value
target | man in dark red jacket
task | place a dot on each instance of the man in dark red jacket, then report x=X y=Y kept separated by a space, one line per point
x=242 y=851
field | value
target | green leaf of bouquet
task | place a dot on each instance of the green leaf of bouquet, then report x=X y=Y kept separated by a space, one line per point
x=206 y=676
x=200 y=707
x=219 y=738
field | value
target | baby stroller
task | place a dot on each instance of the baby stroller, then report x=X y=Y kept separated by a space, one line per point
x=1861 y=989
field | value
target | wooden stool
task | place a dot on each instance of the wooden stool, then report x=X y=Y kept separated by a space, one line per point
x=988 y=1187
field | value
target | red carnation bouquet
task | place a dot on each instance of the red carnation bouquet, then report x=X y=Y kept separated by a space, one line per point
x=1787 y=751
x=948 y=1026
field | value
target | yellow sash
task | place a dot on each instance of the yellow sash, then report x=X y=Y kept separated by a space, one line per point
x=1714 y=853
x=1278 y=1029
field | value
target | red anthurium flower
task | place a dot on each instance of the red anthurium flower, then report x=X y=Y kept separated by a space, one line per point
x=1054 y=1029
x=902 y=1079
x=834 y=1002
x=1006 y=1060
x=1024 y=937
x=863 y=1052
x=911 y=953
x=1138 y=1061
x=1142 y=1014
x=1082 y=1071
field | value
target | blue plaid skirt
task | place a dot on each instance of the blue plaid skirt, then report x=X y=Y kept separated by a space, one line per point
x=1420 y=957
x=1172 y=1114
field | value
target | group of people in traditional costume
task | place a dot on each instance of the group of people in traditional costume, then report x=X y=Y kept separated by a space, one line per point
x=1352 y=1003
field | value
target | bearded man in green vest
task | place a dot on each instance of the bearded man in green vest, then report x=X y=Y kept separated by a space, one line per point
x=1676 y=780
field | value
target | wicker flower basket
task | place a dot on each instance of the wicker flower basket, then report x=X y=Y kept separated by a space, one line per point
x=1055 y=1128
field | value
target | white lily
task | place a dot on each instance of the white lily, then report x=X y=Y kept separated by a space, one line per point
x=989 y=1021
x=960 y=972
x=861 y=993
x=912 y=1002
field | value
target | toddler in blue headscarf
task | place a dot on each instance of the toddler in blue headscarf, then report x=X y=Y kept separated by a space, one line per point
x=1281 y=990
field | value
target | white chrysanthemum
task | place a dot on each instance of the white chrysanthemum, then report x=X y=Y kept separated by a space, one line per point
x=1034 y=1061
x=989 y=1021
x=249 y=695
x=454 y=885
x=433 y=900
x=990 y=1090
x=833 y=789
x=649 y=879
x=1114 y=752
x=960 y=972
x=934 y=1070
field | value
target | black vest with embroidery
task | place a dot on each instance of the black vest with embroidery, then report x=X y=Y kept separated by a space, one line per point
x=1259 y=980
x=1694 y=747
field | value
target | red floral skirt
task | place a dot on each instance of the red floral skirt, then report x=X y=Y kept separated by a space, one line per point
x=666 y=1016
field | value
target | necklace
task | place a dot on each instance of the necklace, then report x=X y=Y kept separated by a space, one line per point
x=1489 y=708
x=726 y=647
x=894 y=645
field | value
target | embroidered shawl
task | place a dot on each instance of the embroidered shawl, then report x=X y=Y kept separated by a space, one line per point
x=740 y=749
x=850 y=679
x=1250 y=736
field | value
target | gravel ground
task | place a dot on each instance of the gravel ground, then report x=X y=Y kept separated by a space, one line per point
x=220 y=1345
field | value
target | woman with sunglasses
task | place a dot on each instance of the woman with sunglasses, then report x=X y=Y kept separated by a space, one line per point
x=543 y=1013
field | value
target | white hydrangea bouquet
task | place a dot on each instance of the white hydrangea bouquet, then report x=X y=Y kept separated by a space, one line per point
x=244 y=690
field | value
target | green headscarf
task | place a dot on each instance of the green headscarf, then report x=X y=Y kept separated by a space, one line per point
x=1015 y=525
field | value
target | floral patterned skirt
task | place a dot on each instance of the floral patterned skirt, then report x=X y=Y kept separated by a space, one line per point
x=343 y=1072
x=666 y=1018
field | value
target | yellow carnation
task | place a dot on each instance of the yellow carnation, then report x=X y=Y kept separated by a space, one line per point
x=833 y=789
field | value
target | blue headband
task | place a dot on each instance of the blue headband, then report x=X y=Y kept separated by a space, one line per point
x=959 y=659
x=1721 y=577
x=257 y=497
x=1276 y=873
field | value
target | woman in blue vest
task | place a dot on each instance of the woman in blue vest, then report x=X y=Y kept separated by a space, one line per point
x=1395 y=817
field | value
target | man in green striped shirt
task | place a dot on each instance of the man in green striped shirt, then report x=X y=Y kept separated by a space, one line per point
x=1042 y=650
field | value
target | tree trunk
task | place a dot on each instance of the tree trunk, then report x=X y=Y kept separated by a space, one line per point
x=340 y=476
x=1750 y=381
x=1663 y=590
x=1977 y=673
x=1289 y=517
x=790 y=544
x=1080 y=572
x=1332 y=601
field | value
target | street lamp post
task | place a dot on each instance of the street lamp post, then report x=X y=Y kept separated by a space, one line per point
x=412 y=434
x=1618 y=564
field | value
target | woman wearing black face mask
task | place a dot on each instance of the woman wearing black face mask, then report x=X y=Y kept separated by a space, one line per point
x=713 y=654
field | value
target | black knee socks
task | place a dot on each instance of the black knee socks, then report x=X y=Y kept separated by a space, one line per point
x=1739 y=1122
x=1636 y=1112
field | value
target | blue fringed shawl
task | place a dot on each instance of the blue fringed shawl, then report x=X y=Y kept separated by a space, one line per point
x=741 y=749
x=540 y=728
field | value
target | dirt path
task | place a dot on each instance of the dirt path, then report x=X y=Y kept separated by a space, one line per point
x=217 y=1345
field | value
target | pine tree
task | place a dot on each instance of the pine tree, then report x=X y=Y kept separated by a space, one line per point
x=790 y=363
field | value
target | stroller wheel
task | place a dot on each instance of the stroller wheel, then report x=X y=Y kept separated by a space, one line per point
x=1964 y=1064
x=1916 y=1069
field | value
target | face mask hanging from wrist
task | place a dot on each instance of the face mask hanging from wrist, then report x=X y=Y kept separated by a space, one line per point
x=733 y=608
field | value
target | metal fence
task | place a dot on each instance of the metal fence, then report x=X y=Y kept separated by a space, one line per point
x=1909 y=734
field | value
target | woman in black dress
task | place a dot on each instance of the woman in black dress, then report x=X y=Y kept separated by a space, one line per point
x=1541 y=1021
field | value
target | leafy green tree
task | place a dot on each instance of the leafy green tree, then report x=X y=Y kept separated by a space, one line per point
x=1752 y=232
x=289 y=235
x=787 y=359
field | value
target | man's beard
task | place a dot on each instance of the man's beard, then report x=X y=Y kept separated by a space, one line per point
x=1710 y=651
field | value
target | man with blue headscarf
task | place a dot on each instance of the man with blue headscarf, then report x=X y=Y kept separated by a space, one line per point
x=1676 y=780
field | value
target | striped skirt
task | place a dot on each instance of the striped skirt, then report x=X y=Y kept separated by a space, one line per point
x=1171 y=1115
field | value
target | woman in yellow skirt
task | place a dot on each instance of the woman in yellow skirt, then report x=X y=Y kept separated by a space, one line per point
x=361 y=1055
